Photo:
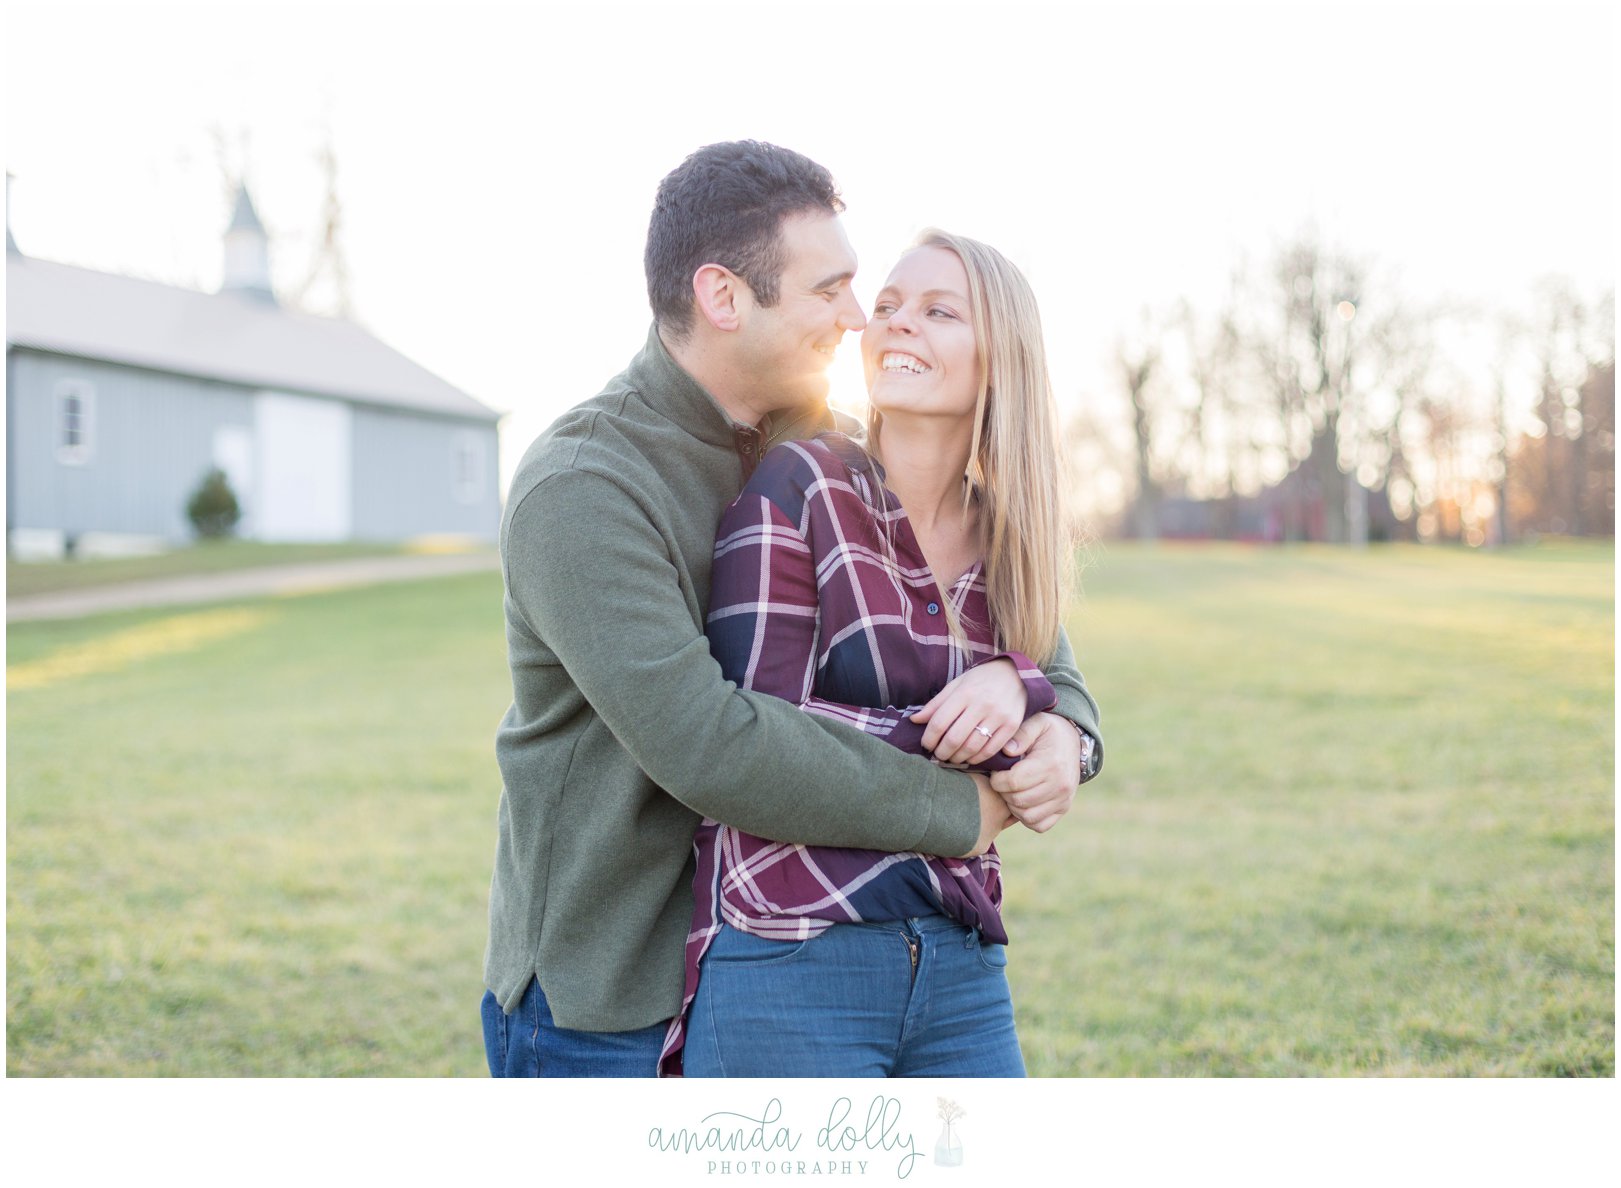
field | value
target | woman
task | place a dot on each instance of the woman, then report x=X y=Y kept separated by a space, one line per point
x=847 y=579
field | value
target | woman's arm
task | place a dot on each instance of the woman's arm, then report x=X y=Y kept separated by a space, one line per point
x=764 y=627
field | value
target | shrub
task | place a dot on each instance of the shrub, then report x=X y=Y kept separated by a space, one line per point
x=212 y=508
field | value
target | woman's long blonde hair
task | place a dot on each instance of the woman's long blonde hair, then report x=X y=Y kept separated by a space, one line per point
x=1014 y=467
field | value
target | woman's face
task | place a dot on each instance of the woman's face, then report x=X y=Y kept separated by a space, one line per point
x=918 y=348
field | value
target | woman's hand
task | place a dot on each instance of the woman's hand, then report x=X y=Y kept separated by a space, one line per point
x=974 y=716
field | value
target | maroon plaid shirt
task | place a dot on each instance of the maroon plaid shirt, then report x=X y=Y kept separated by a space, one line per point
x=821 y=595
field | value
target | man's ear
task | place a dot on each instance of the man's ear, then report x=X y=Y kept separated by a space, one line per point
x=716 y=292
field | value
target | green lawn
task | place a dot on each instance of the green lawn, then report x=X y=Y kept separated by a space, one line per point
x=44 y=577
x=1356 y=818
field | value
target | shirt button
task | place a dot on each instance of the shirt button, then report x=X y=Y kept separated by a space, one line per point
x=934 y=608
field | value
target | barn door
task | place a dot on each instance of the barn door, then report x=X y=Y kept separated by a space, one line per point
x=303 y=468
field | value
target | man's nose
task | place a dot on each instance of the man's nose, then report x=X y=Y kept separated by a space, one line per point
x=850 y=315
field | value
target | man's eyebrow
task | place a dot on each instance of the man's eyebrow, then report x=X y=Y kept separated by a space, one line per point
x=838 y=278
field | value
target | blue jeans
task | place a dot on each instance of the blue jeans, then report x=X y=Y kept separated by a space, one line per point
x=852 y=1003
x=527 y=1043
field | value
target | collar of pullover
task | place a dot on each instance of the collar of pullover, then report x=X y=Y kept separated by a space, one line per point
x=668 y=389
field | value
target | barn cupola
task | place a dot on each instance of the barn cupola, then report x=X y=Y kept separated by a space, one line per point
x=11 y=244
x=247 y=253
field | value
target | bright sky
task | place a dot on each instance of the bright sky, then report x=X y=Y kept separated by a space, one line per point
x=497 y=167
x=497 y=164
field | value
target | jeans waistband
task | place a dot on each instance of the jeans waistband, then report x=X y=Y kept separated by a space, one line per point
x=914 y=924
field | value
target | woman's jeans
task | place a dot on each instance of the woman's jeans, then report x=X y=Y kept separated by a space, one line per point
x=910 y=998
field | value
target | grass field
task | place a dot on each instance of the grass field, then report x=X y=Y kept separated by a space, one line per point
x=1356 y=818
x=45 y=577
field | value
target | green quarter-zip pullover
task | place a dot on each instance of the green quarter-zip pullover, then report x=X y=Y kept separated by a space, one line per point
x=623 y=734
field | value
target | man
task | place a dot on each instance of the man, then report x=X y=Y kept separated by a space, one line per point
x=622 y=733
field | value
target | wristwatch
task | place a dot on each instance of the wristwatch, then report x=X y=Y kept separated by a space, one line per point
x=1089 y=753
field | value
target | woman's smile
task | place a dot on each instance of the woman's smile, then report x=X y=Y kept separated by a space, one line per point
x=899 y=361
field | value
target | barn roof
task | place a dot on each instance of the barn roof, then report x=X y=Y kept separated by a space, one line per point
x=222 y=336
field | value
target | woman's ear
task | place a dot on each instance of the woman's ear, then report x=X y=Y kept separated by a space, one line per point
x=715 y=292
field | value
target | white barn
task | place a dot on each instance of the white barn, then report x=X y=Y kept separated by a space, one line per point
x=121 y=394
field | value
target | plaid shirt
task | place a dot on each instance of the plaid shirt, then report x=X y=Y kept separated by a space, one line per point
x=821 y=595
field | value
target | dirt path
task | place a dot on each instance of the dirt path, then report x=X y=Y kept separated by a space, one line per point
x=269 y=580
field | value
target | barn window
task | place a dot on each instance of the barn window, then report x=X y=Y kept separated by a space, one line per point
x=75 y=421
x=468 y=467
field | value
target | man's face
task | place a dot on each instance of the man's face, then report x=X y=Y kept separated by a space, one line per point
x=784 y=351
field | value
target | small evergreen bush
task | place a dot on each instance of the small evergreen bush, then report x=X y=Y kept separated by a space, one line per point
x=212 y=508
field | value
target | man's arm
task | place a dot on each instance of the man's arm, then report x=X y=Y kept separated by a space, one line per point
x=589 y=576
x=1059 y=750
x=1075 y=701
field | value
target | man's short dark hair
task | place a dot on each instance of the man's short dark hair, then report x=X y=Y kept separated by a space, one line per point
x=725 y=205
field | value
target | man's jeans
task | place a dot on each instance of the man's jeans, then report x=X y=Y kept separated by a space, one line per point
x=527 y=1043
x=912 y=998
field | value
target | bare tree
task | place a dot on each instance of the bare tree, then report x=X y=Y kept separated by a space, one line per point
x=1100 y=462
x=1217 y=446
x=1407 y=392
x=328 y=262
x=1510 y=334
x=1598 y=428
x=1137 y=362
x=1301 y=330
x=1320 y=403
x=1565 y=465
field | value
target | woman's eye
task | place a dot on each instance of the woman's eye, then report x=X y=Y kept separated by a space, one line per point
x=882 y=310
x=939 y=312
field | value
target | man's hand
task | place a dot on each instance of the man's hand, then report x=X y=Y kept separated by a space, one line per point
x=1040 y=788
x=993 y=815
x=974 y=716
